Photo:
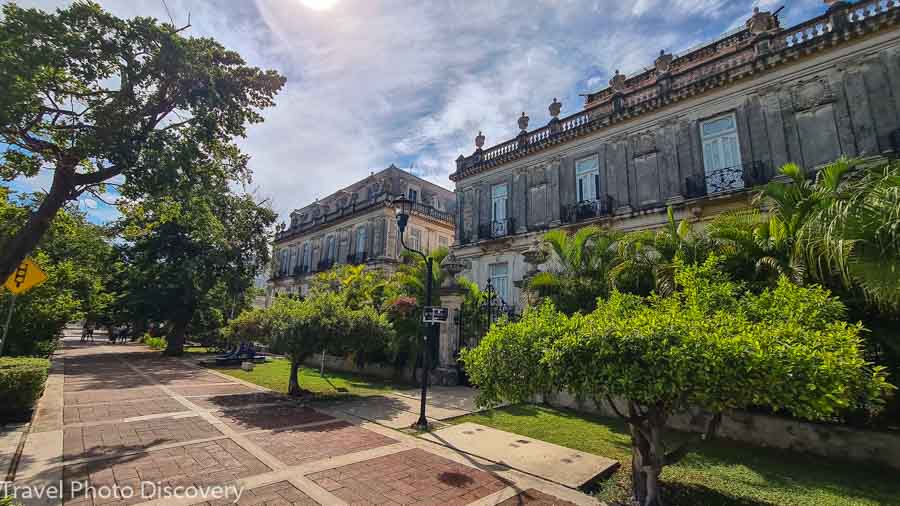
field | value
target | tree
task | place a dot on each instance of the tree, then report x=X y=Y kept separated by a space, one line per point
x=191 y=252
x=646 y=259
x=92 y=97
x=709 y=345
x=319 y=322
x=76 y=255
x=854 y=234
x=581 y=269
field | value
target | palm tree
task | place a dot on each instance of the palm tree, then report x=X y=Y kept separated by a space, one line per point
x=756 y=246
x=411 y=275
x=646 y=259
x=580 y=269
x=854 y=234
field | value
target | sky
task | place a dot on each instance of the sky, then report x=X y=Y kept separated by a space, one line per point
x=375 y=82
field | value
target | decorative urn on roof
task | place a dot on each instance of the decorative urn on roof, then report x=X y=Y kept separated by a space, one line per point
x=762 y=22
x=479 y=141
x=555 y=108
x=663 y=62
x=617 y=83
x=523 y=122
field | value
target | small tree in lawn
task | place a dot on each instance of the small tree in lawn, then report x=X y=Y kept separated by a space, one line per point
x=709 y=345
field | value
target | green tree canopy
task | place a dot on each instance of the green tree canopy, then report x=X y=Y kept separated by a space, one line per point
x=91 y=97
x=709 y=345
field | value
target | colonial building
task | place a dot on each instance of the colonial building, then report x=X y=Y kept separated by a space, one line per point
x=695 y=131
x=356 y=225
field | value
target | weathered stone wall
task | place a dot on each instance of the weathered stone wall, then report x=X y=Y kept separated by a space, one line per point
x=772 y=431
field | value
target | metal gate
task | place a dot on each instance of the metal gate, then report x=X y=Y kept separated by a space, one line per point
x=475 y=318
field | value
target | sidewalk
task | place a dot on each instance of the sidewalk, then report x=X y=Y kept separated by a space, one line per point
x=120 y=418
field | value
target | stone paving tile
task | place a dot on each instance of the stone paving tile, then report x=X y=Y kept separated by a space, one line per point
x=240 y=400
x=110 y=438
x=198 y=378
x=409 y=477
x=282 y=493
x=212 y=463
x=112 y=395
x=206 y=390
x=534 y=497
x=273 y=417
x=304 y=444
x=120 y=410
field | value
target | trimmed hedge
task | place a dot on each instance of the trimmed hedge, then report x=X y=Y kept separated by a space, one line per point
x=21 y=384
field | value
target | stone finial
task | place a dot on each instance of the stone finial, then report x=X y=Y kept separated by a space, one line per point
x=479 y=140
x=617 y=83
x=523 y=122
x=555 y=108
x=535 y=255
x=762 y=22
x=452 y=266
x=663 y=62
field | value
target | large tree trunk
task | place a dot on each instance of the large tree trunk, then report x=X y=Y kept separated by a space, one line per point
x=175 y=341
x=294 y=382
x=647 y=459
x=27 y=238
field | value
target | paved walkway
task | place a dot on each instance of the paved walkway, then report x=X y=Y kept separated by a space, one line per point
x=118 y=420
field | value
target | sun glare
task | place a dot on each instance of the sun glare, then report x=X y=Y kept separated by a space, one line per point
x=319 y=5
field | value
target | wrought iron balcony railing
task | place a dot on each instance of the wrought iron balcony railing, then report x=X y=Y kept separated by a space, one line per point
x=301 y=270
x=495 y=229
x=588 y=209
x=357 y=258
x=729 y=179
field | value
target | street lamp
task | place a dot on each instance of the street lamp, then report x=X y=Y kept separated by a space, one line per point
x=403 y=206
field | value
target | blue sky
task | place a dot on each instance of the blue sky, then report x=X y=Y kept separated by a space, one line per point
x=375 y=82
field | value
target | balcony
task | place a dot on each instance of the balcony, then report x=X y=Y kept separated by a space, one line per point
x=496 y=229
x=357 y=258
x=300 y=270
x=325 y=264
x=728 y=180
x=587 y=210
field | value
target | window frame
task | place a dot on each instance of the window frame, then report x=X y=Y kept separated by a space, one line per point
x=502 y=291
x=590 y=176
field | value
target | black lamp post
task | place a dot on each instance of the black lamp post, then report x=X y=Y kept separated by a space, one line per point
x=403 y=206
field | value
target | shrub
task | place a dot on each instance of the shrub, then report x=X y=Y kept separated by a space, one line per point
x=710 y=345
x=155 y=343
x=21 y=384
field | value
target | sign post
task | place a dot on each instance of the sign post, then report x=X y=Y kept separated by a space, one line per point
x=27 y=276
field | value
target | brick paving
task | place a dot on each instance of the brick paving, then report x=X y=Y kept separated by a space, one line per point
x=203 y=464
x=274 y=417
x=408 y=477
x=189 y=378
x=306 y=444
x=111 y=438
x=240 y=400
x=120 y=410
x=206 y=390
x=276 y=494
x=112 y=395
x=532 y=497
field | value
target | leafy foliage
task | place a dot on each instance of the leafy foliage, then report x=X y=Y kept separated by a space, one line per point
x=711 y=344
x=21 y=384
x=75 y=255
x=91 y=97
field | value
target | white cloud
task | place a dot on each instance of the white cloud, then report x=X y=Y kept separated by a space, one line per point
x=374 y=82
x=89 y=203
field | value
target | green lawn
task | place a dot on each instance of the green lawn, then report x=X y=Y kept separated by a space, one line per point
x=717 y=472
x=274 y=375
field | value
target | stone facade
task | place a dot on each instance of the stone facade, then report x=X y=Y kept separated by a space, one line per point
x=357 y=225
x=695 y=131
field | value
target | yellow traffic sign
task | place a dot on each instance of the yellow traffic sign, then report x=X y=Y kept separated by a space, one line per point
x=27 y=276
